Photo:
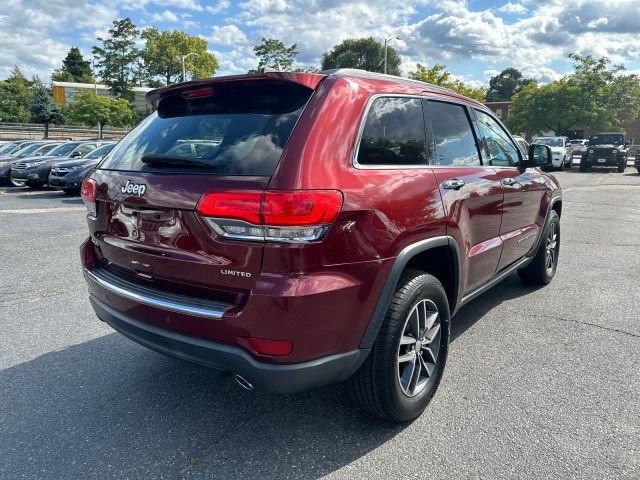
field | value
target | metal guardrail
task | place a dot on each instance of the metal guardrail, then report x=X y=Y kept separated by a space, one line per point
x=20 y=131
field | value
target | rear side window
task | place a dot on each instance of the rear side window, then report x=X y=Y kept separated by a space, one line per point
x=393 y=133
x=455 y=144
x=239 y=128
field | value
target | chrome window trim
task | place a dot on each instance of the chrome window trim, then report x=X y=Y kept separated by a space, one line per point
x=354 y=154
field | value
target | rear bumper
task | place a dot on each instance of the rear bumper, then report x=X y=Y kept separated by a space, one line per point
x=289 y=378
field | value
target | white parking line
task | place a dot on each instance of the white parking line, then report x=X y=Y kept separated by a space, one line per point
x=43 y=210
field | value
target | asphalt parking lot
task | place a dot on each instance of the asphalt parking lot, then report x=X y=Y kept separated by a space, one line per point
x=539 y=383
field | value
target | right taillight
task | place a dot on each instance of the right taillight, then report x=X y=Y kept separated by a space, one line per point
x=88 y=194
x=285 y=216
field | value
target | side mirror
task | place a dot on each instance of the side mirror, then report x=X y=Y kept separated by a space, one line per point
x=75 y=154
x=539 y=155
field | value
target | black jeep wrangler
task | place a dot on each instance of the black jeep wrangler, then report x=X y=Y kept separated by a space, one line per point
x=605 y=150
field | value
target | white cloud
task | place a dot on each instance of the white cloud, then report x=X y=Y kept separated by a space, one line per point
x=515 y=8
x=229 y=35
x=166 y=16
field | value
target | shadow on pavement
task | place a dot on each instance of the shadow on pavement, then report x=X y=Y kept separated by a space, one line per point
x=471 y=313
x=108 y=407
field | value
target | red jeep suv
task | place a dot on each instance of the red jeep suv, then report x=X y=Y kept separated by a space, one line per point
x=299 y=229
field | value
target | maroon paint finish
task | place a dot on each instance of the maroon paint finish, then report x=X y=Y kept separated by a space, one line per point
x=473 y=216
x=320 y=295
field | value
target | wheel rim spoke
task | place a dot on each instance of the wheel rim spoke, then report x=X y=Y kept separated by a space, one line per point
x=431 y=334
x=406 y=340
x=419 y=347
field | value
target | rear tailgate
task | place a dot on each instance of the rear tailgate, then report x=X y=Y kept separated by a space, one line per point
x=221 y=137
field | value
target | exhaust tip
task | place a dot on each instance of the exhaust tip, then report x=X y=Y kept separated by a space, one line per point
x=243 y=382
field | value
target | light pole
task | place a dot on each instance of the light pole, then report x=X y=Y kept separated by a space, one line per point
x=387 y=41
x=182 y=59
x=93 y=72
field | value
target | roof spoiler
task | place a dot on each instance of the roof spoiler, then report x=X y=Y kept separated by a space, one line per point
x=309 y=80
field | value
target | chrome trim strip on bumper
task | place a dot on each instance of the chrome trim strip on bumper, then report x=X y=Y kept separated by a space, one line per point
x=157 y=298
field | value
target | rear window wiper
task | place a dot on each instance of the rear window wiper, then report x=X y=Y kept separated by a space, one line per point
x=171 y=161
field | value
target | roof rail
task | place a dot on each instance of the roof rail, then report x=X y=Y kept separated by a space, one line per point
x=355 y=72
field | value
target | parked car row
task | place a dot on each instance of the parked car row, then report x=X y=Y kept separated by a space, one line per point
x=61 y=164
x=610 y=149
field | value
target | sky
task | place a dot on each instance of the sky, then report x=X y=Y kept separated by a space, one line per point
x=475 y=39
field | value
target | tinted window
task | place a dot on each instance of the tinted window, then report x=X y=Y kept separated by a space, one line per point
x=85 y=148
x=393 y=133
x=497 y=147
x=44 y=149
x=606 y=138
x=100 y=151
x=26 y=151
x=7 y=147
x=64 y=149
x=454 y=142
x=240 y=128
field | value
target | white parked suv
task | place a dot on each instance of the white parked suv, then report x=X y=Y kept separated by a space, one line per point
x=561 y=149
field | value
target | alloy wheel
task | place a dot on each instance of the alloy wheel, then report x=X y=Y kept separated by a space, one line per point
x=419 y=347
x=551 y=249
x=18 y=183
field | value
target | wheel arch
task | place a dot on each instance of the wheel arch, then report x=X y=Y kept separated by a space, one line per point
x=438 y=256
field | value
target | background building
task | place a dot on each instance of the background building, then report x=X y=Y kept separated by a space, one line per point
x=63 y=92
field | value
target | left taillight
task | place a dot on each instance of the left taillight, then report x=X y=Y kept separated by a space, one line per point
x=88 y=194
x=282 y=216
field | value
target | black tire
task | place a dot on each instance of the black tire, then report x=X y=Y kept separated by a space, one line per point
x=35 y=186
x=542 y=269
x=638 y=171
x=378 y=385
x=70 y=191
x=561 y=168
x=622 y=166
x=583 y=167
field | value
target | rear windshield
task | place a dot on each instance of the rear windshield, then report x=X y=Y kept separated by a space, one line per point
x=240 y=128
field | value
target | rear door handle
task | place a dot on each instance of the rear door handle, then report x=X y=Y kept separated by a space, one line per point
x=509 y=181
x=453 y=184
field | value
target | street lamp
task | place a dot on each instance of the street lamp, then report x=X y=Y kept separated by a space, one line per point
x=387 y=41
x=182 y=59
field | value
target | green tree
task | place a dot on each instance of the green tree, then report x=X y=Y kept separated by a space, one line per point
x=596 y=95
x=16 y=97
x=163 y=51
x=438 y=75
x=274 y=55
x=506 y=84
x=116 y=57
x=74 y=68
x=44 y=110
x=89 y=108
x=556 y=106
x=364 y=54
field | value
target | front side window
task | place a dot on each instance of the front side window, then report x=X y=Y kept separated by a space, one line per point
x=496 y=146
x=455 y=145
x=393 y=133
